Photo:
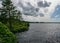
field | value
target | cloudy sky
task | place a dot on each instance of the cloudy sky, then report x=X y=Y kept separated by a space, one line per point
x=39 y=10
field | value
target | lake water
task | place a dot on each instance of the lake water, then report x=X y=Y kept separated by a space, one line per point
x=41 y=33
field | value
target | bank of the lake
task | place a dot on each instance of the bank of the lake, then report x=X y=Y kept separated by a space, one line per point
x=17 y=25
x=7 y=35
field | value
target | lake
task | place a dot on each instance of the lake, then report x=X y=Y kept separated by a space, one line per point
x=40 y=33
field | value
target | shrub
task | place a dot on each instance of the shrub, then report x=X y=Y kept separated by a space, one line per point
x=18 y=26
x=5 y=35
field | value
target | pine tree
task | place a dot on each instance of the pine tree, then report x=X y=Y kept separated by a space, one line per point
x=9 y=11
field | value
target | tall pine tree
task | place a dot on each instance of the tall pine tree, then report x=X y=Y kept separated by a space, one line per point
x=9 y=12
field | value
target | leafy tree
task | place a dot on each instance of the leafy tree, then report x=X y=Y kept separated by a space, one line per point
x=9 y=12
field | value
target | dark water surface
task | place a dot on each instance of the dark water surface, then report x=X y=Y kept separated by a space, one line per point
x=41 y=33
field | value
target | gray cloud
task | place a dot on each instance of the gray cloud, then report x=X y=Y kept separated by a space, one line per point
x=45 y=4
x=32 y=10
x=41 y=15
x=37 y=9
x=26 y=8
x=29 y=9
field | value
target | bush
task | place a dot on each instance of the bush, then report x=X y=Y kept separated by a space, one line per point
x=18 y=26
x=5 y=35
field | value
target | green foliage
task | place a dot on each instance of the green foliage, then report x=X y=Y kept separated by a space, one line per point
x=18 y=26
x=5 y=35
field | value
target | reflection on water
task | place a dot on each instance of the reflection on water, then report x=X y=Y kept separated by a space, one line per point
x=41 y=33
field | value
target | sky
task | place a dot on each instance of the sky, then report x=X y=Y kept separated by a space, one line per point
x=39 y=10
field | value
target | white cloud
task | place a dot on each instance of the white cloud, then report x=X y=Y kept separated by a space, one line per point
x=46 y=11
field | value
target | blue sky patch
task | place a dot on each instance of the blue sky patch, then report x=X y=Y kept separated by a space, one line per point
x=56 y=13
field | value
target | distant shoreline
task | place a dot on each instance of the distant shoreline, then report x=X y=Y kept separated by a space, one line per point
x=44 y=22
x=41 y=22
